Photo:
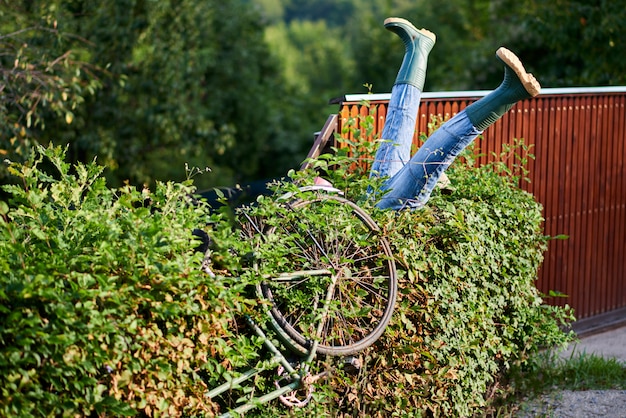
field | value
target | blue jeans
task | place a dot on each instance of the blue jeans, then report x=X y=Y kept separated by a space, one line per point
x=408 y=183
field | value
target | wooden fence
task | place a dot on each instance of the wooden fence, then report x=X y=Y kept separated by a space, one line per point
x=578 y=174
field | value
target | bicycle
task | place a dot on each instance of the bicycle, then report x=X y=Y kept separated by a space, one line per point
x=321 y=248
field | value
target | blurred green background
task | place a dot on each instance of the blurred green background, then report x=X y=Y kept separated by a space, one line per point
x=161 y=90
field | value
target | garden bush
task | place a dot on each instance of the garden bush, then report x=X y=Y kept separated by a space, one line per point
x=468 y=310
x=104 y=309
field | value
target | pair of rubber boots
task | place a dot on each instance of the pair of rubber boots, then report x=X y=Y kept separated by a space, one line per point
x=517 y=83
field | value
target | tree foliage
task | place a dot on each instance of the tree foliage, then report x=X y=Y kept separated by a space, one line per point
x=179 y=82
x=148 y=87
x=45 y=74
x=575 y=42
x=565 y=43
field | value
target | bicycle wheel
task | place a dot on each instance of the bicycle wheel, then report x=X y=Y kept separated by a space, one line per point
x=329 y=275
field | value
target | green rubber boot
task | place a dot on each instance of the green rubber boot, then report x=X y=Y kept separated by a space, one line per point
x=417 y=43
x=517 y=85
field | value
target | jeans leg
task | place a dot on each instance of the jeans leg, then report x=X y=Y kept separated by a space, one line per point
x=394 y=150
x=412 y=185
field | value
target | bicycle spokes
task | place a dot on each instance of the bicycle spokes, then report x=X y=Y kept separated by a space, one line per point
x=329 y=275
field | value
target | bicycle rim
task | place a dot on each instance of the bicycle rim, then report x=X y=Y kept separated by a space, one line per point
x=333 y=278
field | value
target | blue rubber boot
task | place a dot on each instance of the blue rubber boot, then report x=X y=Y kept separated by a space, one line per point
x=517 y=85
x=418 y=44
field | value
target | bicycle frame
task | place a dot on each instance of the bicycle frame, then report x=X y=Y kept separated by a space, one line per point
x=301 y=377
x=306 y=345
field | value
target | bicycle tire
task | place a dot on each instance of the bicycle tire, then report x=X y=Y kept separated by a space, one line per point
x=328 y=248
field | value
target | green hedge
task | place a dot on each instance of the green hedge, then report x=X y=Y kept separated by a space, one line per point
x=468 y=309
x=104 y=309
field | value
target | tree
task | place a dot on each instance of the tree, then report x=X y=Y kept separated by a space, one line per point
x=186 y=82
x=45 y=75
x=565 y=43
x=575 y=42
x=149 y=86
x=316 y=64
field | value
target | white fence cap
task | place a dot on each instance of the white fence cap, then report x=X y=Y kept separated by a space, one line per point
x=480 y=93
